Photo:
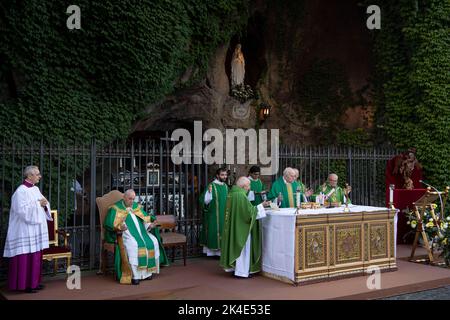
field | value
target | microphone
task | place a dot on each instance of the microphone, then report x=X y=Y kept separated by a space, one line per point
x=439 y=194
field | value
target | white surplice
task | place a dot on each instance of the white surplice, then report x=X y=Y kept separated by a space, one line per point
x=27 y=229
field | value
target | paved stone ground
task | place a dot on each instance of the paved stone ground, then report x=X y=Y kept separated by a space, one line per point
x=442 y=293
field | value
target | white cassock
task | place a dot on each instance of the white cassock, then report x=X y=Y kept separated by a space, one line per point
x=208 y=198
x=27 y=229
x=242 y=267
x=131 y=246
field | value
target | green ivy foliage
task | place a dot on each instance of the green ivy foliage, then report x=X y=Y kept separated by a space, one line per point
x=355 y=138
x=324 y=93
x=412 y=82
x=66 y=85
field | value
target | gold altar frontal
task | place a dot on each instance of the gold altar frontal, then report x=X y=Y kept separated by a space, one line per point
x=338 y=245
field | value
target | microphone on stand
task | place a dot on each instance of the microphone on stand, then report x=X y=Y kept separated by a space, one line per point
x=439 y=193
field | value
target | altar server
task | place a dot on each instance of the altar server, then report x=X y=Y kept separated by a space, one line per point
x=27 y=234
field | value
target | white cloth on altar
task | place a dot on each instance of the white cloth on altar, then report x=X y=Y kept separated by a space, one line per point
x=27 y=229
x=278 y=245
x=242 y=266
x=131 y=246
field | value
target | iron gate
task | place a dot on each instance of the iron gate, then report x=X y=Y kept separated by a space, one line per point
x=73 y=176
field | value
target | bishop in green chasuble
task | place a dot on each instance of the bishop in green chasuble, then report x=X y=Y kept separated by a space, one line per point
x=139 y=252
x=212 y=204
x=241 y=242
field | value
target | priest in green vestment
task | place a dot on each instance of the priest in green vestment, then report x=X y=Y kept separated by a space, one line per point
x=284 y=189
x=256 y=186
x=331 y=190
x=305 y=192
x=241 y=242
x=139 y=251
x=212 y=205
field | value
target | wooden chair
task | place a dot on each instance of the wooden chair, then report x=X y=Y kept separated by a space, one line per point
x=103 y=204
x=55 y=251
x=169 y=237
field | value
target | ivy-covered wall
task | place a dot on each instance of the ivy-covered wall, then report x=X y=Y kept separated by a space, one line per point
x=412 y=52
x=75 y=84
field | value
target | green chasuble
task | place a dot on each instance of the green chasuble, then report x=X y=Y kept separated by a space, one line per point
x=289 y=196
x=337 y=196
x=240 y=221
x=213 y=216
x=116 y=215
x=257 y=186
x=301 y=186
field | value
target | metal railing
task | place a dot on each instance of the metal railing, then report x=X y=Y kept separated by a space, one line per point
x=73 y=176
x=363 y=169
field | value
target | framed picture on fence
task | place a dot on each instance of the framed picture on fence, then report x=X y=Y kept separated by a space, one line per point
x=153 y=177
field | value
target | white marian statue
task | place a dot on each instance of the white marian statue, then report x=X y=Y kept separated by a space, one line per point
x=237 y=67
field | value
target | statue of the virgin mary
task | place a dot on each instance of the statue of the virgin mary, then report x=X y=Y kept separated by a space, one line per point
x=237 y=67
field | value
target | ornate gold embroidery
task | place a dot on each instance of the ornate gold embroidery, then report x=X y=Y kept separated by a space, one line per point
x=125 y=267
x=120 y=217
x=142 y=252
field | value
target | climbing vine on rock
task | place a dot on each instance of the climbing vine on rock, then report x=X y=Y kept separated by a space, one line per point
x=412 y=52
x=66 y=84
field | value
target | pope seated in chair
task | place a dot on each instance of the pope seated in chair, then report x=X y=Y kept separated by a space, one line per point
x=139 y=251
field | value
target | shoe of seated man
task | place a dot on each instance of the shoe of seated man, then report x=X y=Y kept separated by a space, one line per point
x=135 y=281
x=149 y=278
x=39 y=287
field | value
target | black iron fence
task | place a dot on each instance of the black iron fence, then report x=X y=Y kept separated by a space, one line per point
x=73 y=176
x=363 y=169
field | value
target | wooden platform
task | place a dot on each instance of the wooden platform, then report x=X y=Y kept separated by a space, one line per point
x=203 y=279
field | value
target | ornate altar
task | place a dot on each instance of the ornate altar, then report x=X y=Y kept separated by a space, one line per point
x=302 y=246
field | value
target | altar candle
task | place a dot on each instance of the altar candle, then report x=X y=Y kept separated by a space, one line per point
x=298 y=199
x=120 y=163
x=134 y=163
x=391 y=193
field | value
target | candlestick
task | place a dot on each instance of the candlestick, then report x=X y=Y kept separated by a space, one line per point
x=391 y=196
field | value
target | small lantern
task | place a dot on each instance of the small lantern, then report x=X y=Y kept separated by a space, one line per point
x=264 y=111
